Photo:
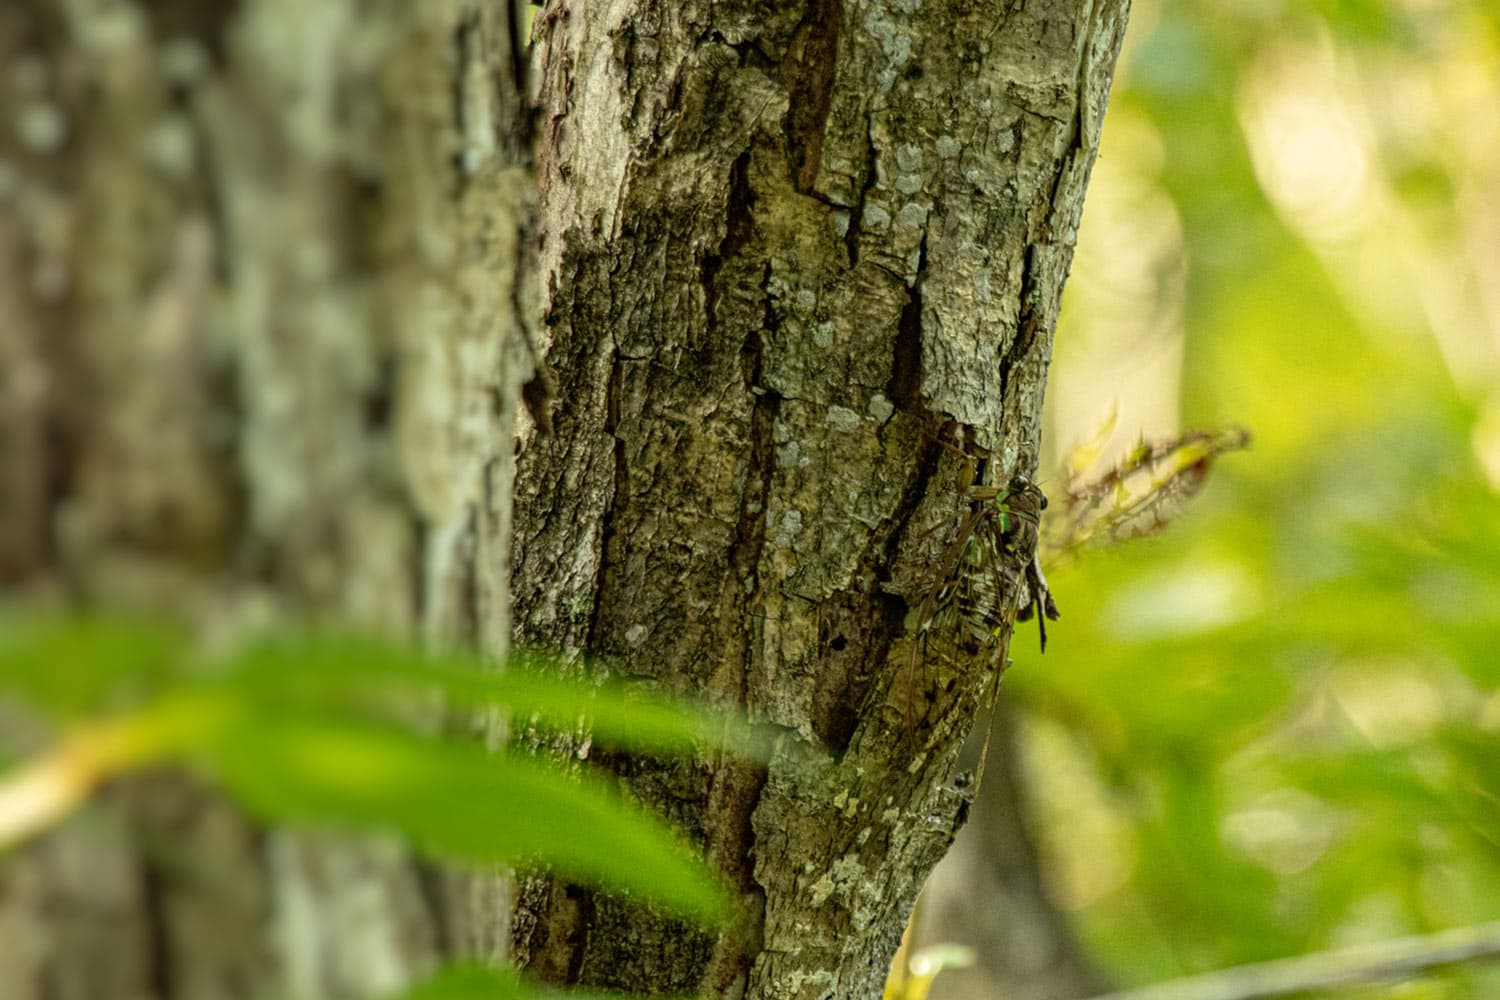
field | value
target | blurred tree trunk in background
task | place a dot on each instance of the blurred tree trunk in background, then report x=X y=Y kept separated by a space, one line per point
x=989 y=893
x=261 y=299
x=786 y=250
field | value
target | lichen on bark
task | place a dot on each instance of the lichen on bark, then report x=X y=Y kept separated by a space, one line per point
x=786 y=250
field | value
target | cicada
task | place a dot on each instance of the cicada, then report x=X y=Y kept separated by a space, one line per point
x=988 y=578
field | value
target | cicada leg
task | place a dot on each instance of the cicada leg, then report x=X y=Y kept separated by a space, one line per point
x=1040 y=603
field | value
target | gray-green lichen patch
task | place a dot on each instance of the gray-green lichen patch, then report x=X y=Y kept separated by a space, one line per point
x=820 y=252
x=842 y=418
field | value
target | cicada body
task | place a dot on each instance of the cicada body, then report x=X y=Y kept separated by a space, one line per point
x=988 y=577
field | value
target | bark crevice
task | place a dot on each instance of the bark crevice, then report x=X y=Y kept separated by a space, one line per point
x=865 y=181
x=821 y=246
x=808 y=75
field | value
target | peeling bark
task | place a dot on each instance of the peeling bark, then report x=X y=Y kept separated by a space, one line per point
x=262 y=287
x=787 y=251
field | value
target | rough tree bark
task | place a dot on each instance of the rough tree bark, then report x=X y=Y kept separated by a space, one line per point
x=787 y=249
x=261 y=296
x=262 y=300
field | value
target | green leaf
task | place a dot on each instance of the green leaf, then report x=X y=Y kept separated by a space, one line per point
x=331 y=669
x=67 y=666
x=472 y=981
x=468 y=981
x=454 y=801
x=287 y=725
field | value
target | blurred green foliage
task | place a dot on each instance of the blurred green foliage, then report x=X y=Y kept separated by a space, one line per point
x=466 y=981
x=469 y=982
x=1275 y=729
x=349 y=734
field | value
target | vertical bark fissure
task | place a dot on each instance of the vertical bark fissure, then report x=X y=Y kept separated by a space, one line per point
x=865 y=181
x=808 y=75
x=904 y=388
x=737 y=224
x=1026 y=323
x=778 y=492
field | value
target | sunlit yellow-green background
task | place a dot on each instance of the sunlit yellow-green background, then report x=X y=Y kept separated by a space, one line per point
x=1274 y=729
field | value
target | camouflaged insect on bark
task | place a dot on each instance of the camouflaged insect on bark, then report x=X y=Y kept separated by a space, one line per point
x=988 y=578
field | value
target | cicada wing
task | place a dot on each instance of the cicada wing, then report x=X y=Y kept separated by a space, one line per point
x=963 y=624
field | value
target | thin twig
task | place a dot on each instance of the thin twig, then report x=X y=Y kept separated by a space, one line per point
x=1394 y=959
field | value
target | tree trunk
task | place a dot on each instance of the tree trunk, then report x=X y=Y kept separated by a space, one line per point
x=792 y=255
x=263 y=298
x=989 y=894
x=261 y=307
